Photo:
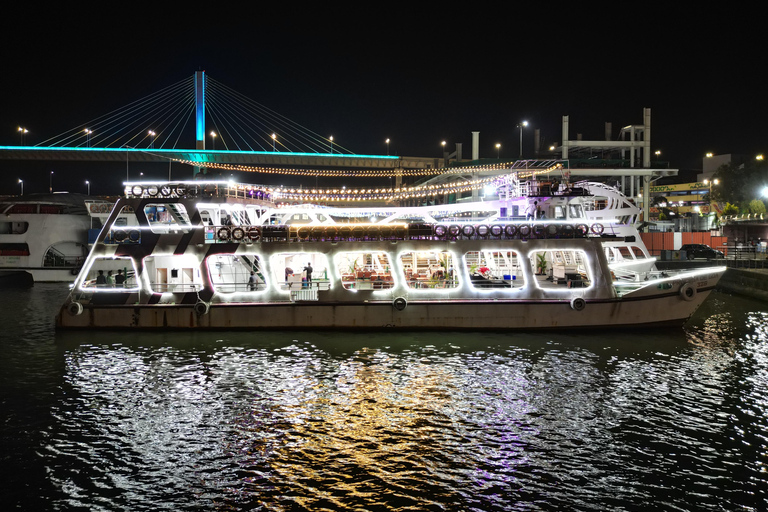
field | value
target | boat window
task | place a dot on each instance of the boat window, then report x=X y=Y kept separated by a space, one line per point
x=429 y=269
x=167 y=218
x=110 y=275
x=236 y=273
x=297 y=270
x=173 y=273
x=575 y=212
x=14 y=249
x=13 y=228
x=558 y=268
x=365 y=270
x=494 y=269
x=559 y=212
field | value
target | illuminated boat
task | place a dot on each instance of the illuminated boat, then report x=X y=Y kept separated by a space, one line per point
x=46 y=235
x=214 y=255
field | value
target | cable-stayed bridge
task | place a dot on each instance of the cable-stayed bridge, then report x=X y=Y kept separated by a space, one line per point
x=202 y=122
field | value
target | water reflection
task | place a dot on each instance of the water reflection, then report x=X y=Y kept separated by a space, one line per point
x=453 y=421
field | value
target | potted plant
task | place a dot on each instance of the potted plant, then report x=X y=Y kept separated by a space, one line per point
x=541 y=264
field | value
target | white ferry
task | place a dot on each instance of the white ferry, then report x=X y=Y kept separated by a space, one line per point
x=45 y=236
x=215 y=255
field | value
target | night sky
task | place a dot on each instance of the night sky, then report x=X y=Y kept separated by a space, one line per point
x=416 y=76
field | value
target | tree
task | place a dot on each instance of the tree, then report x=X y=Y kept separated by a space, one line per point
x=756 y=206
x=739 y=184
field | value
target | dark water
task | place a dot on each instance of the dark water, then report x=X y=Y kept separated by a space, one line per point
x=624 y=420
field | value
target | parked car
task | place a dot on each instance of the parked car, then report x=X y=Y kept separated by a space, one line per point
x=693 y=251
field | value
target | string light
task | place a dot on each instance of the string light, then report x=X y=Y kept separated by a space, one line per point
x=294 y=194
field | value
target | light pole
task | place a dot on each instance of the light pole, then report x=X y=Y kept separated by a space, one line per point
x=22 y=132
x=498 y=150
x=387 y=142
x=522 y=125
x=274 y=136
x=21 y=184
x=331 y=141
x=213 y=140
x=151 y=139
x=88 y=137
x=50 y=183
x=88 y=185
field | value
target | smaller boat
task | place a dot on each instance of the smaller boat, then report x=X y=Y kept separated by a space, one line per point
x=46 y=236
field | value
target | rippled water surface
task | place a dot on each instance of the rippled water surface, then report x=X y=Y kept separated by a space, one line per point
x=625 y=420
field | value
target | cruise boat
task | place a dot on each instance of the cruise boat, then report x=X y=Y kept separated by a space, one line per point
x=216 y=255
x=45 y=236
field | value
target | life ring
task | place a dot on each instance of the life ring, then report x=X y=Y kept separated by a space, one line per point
x=75 y=308
x=524 y=230
x=688 y=292
x=496 y=230
x=224 y=233
x=539 y=230
x=567 y=231
x=120 y=235
x=373 y=232
x=578 y=304
x=165 y=191
x=74 y=271
x=95 y=208
x=105 y=208
x=331 y=232
x=238 y=233
x=597 y=229
x=386 y=231
x=510 y=230
x=482 y=231
x=201 y=308
x=399 y=303
x=303 y=233
x=358 y=231
x=209 y=190
x=345 y=232
x=400 y=232
x=440 y=231
x=454 y=230
x=134 y=235
x=468 y=230
x=152 y=190
x=552 y=230
x=317 y=232
x=254 y=234
x=137 y=190
x=181 y=190
x=581 y=230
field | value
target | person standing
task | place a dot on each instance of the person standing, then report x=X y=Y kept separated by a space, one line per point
x=252 y=281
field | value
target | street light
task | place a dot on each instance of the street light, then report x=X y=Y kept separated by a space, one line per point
x=21 y=183
x=387 y=142
x=88 y=137
x=213 y=140
x=274 y=136
x=152 y=139
x=88 y=184
x=522 y=125
x=22 y=132
x=331 y=139
x=498 y=148
x=50 y=183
